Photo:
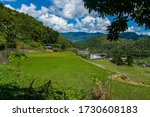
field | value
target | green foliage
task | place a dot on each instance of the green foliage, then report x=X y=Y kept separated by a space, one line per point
x=85 y=56
x=117 y=26
x=63 y=92
x=146 y=83
x=118 y=60
x=13 y=89
x=2 y=44
x=17 y=56
x=129 y=60
x=69 y=74
x=139 y=48
x=79 y=36
x=22 y=27
x=74 y=50
x=142 y=61
x=122 y=11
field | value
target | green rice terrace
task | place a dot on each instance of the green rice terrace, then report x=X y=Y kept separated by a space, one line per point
x=63 y=75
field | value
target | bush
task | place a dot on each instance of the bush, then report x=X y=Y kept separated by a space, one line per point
x=129 y=60
x=30 y=44
x=146 y=83
x=118 y=60
x=74 y=50
x=100 y=92
x=85 y=56
x=2 y=44
x=100 y=89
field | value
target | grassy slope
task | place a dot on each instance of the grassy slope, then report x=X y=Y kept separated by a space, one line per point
x=63 y=67
x=135 y=73
x=73 y=71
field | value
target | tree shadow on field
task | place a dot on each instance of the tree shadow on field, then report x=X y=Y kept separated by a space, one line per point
x=14 y=92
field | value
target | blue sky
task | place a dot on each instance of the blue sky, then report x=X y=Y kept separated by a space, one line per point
x=66 y=15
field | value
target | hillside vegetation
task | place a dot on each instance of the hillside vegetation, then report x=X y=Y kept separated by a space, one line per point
x=17 y=30
x=139 y=48
x=63 y=68
x=79 y=36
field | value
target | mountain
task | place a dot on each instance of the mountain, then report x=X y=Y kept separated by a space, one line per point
x=18 y=30
x=133 y=36
x=79 y=36
x=76 y=37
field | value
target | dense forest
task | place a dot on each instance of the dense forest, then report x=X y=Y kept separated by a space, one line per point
x=18 y=29
x=122 y=47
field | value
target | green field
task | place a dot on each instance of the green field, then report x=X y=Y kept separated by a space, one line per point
x=135 y=72
x=61 y=66
x=71 y=70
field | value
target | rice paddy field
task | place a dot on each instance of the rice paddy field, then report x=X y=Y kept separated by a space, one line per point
x=70 y=70
x=136 y=73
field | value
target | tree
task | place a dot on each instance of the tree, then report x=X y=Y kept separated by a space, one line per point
x=118 y=60
x=129 y=60
x=122 y=11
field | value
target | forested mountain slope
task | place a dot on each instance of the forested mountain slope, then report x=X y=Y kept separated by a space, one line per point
x=16 y=26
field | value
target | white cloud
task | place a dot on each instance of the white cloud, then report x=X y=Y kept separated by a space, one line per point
x=137 y=30
x=58 y=19
x=143 y=33
x=131 y=29
x=92 y=24
x=8 y=6
x=57 y=23
x=70 y=9
x=31 y=10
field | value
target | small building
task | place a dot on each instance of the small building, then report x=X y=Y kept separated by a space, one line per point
x=95 y=56
x=48 y=46
x=100 y=56
x=146 y=65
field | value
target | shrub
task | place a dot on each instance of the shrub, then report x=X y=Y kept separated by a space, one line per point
x=17 y=57
x=2 y=44
x=85 y=56
x=100 y=90
x=118 y=60
x=146 y=83
x=129 y=60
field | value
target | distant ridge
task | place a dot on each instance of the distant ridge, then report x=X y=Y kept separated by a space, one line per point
x=80 y=36
x=83 y=36
x=133 y=36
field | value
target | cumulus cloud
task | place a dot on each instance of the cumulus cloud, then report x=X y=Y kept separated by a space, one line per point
x=31 y=10
x=70 y=9
x=143 y=33
x=137 y=30
x=8 y=6
x=92 y=24
x=59 y=14
x=57 y=23
x=131 y=29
